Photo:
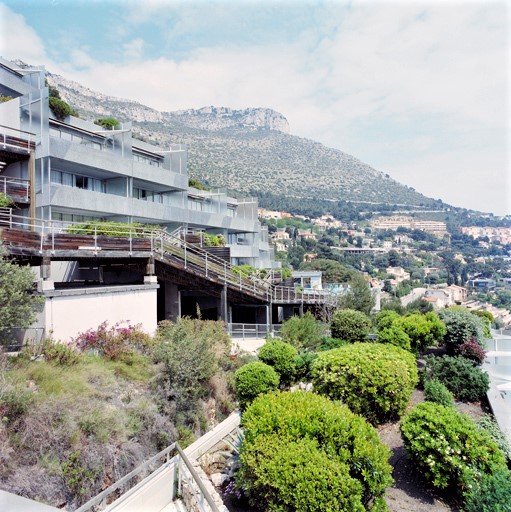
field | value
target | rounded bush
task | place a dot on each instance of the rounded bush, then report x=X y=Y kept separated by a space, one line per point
x=460 y=376
x=254 y=379
x=436 y=392
x=350 y=325
x=302 y=451
x=281 y=357
x=461 y=326
x=373 y=379
x=395 y=336
x=447 y=446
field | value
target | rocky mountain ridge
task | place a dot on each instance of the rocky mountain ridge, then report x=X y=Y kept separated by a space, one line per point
x=248 y=150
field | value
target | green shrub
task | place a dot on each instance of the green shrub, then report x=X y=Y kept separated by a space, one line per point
x=303 y=365
x=461 y=326
x=350 y=325
x=488 y=424
x=460 y=376
x=395 y=336
x=489 y=493
x=59 y=108
x=60 y=353
x=304 y=452
x=118 y=229
x=191 y=351
x=281 y=356
x=436 y=392
x=109 y=123
x=212 y=240
x=385 y=319
x=374 y=380
x=5 y=200
x=488 y=320
x=448 y=447
x=328 y=343
x=254 y=379
x=423 y=330
x=303 y=332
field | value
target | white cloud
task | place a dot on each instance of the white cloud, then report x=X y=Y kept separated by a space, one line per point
x=19 y=40
x=133 y=49
x=399 y=65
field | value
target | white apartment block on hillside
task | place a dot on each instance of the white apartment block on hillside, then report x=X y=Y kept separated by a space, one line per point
x=435 y=227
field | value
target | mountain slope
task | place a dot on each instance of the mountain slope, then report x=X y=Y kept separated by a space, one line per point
x=247 y=150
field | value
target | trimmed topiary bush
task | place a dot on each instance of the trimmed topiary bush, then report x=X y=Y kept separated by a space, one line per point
x=423 y=330
x=460 y=376
x=303 y=452
x=281 y=357
x=374 y=380
x=254 y=379
x=436 y=392
x=448 y=447
x=350 y=325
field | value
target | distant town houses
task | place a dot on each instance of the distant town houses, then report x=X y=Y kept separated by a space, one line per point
x=436 y=228
x=398 y=273
x=501 y=235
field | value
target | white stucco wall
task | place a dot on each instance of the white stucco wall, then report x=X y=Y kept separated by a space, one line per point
x=76 y=311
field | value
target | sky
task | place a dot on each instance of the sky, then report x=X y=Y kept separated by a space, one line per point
x=418 y=90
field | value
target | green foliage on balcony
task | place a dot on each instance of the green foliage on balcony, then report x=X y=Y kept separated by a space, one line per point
x=111 y=229
x=109 y=123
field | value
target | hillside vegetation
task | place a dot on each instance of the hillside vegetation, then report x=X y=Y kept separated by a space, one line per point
x=247 y=150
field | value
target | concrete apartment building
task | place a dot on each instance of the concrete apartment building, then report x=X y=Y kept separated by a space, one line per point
x=76 y=171
x=82 y=172
x=435 y=227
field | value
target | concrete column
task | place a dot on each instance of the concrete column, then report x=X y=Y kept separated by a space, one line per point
x=45 y=282
x=172 y=301
x=223 y=304
x=31 y=180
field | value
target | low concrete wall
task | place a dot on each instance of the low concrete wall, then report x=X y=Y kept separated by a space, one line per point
x=69 y=312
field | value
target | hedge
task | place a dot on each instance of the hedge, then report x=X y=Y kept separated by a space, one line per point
x=302 y=451
x=374 y=380
x=448 y=447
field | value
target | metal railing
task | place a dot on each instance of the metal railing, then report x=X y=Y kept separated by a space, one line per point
x=242 y=331
x=51 y=236
x=17 y=139
x=164 y=459
x=15 y=187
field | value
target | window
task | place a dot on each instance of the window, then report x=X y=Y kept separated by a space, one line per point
x=82 y=182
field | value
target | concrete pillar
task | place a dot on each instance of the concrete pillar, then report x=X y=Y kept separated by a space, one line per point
x=172 y=301
x=31 y=180
x=45 y=282
x=223 y=304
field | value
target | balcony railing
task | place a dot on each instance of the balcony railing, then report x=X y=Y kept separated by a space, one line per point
x=17 y=140
x=15 y=188
x=50 y=236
